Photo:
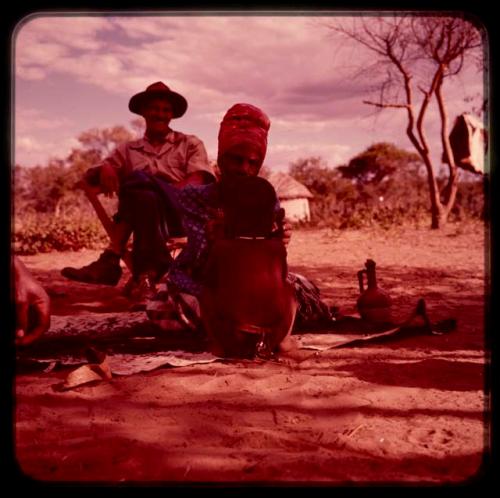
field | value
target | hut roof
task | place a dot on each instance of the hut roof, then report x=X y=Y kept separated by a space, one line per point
x=288 y=187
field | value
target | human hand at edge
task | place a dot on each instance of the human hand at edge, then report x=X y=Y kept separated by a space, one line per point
x=30 y=299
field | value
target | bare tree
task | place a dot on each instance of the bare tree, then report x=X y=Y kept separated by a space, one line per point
x=415 y=54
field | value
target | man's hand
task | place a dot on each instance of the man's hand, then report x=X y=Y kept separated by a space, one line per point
x=108 y=179
x=32 y=306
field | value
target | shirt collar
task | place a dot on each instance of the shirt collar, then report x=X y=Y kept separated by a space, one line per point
x=144 y=142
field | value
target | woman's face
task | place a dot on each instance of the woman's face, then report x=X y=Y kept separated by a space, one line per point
x=240 y=160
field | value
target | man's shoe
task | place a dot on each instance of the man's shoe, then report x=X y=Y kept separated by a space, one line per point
x=106 y=270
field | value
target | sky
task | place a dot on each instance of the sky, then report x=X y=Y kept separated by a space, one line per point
x=73 y=72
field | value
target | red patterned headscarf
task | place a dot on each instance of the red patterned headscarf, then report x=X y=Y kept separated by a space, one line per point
x=244 y=123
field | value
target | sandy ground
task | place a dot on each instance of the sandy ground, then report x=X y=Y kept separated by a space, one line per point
x=409 y=410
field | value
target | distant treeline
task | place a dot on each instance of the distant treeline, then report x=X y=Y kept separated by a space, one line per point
x=383 y=186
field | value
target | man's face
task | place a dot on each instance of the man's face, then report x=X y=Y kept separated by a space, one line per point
x=240 y=160
x=157 y=113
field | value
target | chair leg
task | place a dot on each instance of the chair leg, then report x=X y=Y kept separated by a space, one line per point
x=108 y=224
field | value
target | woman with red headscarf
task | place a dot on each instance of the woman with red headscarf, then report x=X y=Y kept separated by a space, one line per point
x=242 y=146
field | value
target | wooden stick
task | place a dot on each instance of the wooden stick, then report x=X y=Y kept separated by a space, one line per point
x=92 y=195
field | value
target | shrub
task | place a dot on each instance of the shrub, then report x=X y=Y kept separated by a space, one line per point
x=380 y=191
x=42 y=232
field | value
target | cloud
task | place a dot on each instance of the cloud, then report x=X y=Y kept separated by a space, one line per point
x=282 y=154
x=193 y=54
x=292 y=63
x=146 y=28
x=30 y=73
x=74 y=32
x=93 y=68
x=40 y=136
x=28 y=144
x=293 y=67
x=31 y=151
x=29 y=119
x=41 y=41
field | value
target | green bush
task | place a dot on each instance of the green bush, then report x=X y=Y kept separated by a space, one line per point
x=381 y=190
x=42 y=232
x=50 y=212
x=386 y=211
x=381 y=187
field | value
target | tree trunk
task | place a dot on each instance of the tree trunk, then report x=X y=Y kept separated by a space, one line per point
x=439 y=217
x=449 y=193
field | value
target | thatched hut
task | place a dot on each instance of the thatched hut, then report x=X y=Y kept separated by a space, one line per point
x=293 y=195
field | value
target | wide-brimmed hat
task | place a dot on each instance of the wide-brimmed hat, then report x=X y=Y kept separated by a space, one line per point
x=156 y=90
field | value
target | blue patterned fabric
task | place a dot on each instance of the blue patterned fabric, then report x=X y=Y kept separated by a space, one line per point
x=198 y=204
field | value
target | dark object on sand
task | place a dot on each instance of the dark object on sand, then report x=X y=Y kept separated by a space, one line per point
x=374 y=305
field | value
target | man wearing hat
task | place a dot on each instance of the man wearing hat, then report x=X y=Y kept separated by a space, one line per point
x=142 y=173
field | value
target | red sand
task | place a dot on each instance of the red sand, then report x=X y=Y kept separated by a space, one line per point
x=409 y=410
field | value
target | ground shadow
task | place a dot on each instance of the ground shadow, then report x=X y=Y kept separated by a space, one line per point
x=443 y=374
x=75 y=298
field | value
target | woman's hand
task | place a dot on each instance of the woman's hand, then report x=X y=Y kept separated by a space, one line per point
x=215 y=225
x=287 y=232
x=283 y=227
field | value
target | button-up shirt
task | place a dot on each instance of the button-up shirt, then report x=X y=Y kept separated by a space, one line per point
x=179 y=156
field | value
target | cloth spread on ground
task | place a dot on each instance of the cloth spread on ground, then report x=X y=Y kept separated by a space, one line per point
x=131 y=344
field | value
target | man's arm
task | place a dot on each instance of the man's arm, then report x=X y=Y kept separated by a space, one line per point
x=106 y=174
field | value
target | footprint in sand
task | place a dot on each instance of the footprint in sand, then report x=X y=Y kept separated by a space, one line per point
x=430 y=439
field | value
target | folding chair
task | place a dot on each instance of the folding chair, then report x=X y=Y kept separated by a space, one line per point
x=174 y=244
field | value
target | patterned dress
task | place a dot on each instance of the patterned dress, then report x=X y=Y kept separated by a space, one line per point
x=180 y=288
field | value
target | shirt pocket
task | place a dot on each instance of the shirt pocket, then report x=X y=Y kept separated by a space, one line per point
x=173 y=164
x=141 y=163
x=175 y=160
